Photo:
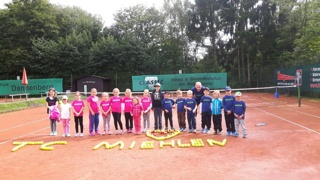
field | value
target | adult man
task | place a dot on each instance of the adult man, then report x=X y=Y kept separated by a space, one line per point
x=198 y=92
x=157 y=97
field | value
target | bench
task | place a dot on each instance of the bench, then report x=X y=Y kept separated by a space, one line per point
x=23 y=94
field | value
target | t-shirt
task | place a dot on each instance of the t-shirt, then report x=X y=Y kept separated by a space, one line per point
x=77 y=106
x=146 y=102
x=239 y=108
x=227 y=102
x=105 y=105
x=116 y=102
x=206 y=103
x=127 y=103
x=180 y=104
x=167 y=104
x=190 y=103
x=93 y=103
x=51 y=101
x=157 y=98
x=65 y=110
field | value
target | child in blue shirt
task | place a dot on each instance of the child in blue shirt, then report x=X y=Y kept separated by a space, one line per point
x=239 y=109
x=191 y=106
x=216 y=112
x=205 y=110
x=167 y=104
x=181 y=112
x=228 y=101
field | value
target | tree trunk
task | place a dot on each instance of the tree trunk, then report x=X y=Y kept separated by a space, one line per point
x=239 y=69
x=248 y=66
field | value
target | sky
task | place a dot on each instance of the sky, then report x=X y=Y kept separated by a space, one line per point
x=104 y=8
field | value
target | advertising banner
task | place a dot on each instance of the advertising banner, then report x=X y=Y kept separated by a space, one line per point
x=35 y=86
x=179 y=81
x=307 y=77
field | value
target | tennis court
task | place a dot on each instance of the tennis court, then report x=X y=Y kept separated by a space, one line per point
x=287 y=148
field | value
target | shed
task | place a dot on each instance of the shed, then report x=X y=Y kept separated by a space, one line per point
x=85 y=84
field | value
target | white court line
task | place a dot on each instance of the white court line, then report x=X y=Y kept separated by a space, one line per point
x=303 y=113
x=22 y=136
x=290 y=109
x=23 y=124
x=289 y=121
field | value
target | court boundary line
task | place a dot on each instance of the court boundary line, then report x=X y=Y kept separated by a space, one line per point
x=299 y=125
x=23 y=124
x=4 y=142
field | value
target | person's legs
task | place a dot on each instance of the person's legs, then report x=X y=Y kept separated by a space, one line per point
x=244 y=129
x=76 y=123
x=115 y=121
x=236 y=122
x=170 y=119
x=81 y=123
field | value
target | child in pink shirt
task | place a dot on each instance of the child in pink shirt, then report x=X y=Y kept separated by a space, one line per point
x=146 y=105
x=136 y=111
x=78 y=106
x=105 y=109
x=127 y=100
x=93 y=106
x=116 y=103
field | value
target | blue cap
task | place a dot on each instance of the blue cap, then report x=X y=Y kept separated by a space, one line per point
x=228 y=88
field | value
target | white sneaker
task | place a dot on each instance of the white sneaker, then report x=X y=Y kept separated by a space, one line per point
x=81 y=134
x=51 y=134
x=117 y=132
x=76 y=135
x=68 y=135
x=55 y=133
x=64 y=135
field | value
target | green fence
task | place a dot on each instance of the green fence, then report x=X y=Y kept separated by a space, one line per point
x=179 y=81
x=35 y=86
x=307 y=77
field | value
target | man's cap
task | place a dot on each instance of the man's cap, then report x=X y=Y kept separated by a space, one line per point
x=157 y=85
x=238 y=94
x=228 y=88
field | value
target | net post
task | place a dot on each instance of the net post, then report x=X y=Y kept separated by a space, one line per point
x=299 y=97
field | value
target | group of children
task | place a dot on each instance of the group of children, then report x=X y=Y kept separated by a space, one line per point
x=210 y=108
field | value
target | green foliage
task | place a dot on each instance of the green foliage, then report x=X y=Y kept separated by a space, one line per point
x=246 y=38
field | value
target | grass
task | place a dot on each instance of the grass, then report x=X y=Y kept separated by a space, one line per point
x=20 y=105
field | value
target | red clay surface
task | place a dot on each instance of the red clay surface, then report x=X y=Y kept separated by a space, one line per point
x=287 y=148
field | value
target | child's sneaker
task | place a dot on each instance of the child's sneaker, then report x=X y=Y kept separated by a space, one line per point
x=166 y=128
x=51 y=134
x=172 y=128
x=215 y=132
x=68 y=135
x=104 y=132
x=128 y=130
x=121 y=132
x=81 y=134
x=64 y=135
x=92 y=134
x=117 y=132
x=195 y=131
x=244 y=136
x=207 y=131
x=97 y=133
x=55 y=133
x=184 y=129
x=234 y=134
x=219 y=132
x=228 y=133
x=190 y=131
x=76 y=135
x=145 y=130
x=109 y=132
x=202 y=131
